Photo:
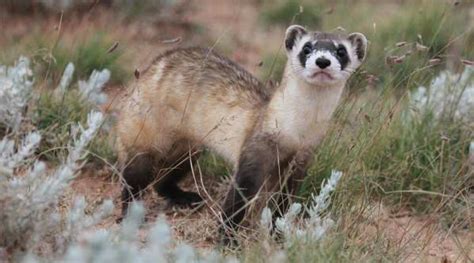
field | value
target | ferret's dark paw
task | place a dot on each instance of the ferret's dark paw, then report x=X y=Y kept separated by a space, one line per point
x=186 y=199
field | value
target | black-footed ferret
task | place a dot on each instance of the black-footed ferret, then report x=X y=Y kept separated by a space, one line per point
x=194 y=98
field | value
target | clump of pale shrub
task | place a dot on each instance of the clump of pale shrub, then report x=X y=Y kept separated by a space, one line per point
x=30 y=193
x=90 y=90
x=449 y=93
x=65 y=79
x=315 y=226
x=16 y=85
x=126 y=245
x=29 y=190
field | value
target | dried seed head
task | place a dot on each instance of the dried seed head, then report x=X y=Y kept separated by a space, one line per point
x=367 y=118
x=371 y=79
x=171 y=41
x=389 y=60
x=113 y=47
x=467 y=62
x=397 y=61
x=434 y=61
x=401 y=44
x=137 y=73
x=420 y=47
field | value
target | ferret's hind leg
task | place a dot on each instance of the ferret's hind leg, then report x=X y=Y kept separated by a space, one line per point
x=139 y=172
x=167 y=184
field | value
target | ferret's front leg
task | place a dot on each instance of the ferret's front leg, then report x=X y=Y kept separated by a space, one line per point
x=258 y=159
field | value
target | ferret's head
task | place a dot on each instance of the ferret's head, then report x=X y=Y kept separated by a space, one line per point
x=323 y=59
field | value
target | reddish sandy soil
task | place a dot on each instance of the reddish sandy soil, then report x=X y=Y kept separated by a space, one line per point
x=421 y=238
x=198 y=225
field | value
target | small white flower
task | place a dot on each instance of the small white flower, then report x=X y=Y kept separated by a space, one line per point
x=317 y=225
x=266 y=220
x=10 y=159
x=91 y=90
x=65 y=79
x=447 y=92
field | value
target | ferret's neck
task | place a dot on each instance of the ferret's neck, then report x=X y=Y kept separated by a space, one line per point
x=299 y=112
x=298 y=89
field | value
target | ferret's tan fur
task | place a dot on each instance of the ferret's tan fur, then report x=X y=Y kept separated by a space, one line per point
x=193 y=98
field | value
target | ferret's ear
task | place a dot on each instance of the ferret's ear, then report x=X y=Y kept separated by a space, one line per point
x=292 y=35
x=359 y=43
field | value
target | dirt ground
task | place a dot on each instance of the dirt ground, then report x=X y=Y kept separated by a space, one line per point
x=421 y=238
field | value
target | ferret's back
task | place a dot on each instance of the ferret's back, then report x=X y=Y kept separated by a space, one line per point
x=195 y=95
x=209 y=73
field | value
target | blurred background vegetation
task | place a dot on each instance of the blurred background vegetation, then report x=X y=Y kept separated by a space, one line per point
x=411 y=32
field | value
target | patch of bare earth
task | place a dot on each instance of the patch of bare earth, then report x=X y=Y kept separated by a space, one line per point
x=416 y=238
x=198 y=225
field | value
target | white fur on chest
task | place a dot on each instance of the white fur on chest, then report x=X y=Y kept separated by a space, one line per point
x=299 y=114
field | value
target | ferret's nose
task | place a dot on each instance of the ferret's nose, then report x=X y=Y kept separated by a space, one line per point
x=323 y=62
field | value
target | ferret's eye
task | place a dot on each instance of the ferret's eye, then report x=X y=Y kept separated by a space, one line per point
x=307 y=49
x=341 y=52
